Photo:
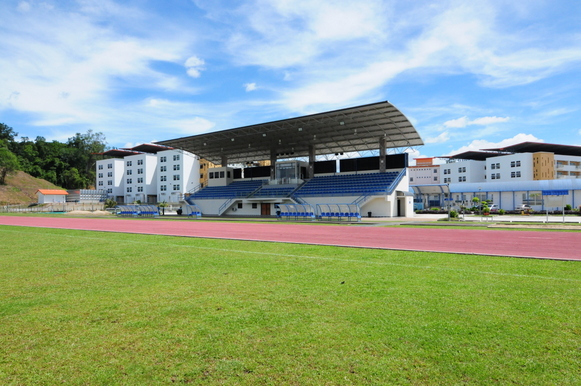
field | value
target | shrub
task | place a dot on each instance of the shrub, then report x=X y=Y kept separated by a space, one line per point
x=501 y=211
x=453 y=214
x=567 y=207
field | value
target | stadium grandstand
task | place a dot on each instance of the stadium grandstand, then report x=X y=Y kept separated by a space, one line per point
x=313 y=162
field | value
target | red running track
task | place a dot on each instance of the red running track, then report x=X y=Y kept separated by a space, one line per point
x=533 y=244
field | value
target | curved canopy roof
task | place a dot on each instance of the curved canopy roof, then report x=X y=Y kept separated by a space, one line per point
x=533 y=147
x=347 y=130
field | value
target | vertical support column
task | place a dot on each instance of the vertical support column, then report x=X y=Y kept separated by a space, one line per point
x=272 y=164
x=311 y=171
x=382 y=154
x=224 y=160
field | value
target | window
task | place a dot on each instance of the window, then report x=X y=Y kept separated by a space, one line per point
x=512 y=174
x=201 y=175
x=435 y=170
x=100 y=167
x=139 y=162
x=140 y=180
x=100 y=175
x=518 y=174
x=435 y=178
x=228 y=174
x=129 y=180
x=129 y=190
x=211 y=175
x=163 y=188
x=254 y=205
x=110 y=174
x=512 y=164
x=162 y=159
x=129 y=163
x=109 y=190
x=222 y=174
x=239 y=205
x=163 y=178
x=100 y=183
x=139 y=171
x=109 y=166
x=176 y=187
x=493 y=176
x=176 y=167
x=176 y=177
x=411 y=179
x=517 y=164
x=109 y=182
x=459 y=179
x=129 y=172
x=140 y=188
x=176 y=157
x=163 y=168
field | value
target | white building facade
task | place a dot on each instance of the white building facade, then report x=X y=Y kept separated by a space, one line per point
x=161 y=175
x=511 y=178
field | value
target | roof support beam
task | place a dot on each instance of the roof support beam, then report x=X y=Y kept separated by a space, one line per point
x=382 y=154
x=312 y=157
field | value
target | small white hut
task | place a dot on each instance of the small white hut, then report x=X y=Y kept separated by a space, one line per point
x=50 y=196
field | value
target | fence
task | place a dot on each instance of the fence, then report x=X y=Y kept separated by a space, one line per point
x=52 y=207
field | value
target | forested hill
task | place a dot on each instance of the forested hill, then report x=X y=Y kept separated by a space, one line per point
x=70 y=165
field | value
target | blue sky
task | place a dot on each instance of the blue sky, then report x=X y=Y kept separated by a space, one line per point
x=469 y=75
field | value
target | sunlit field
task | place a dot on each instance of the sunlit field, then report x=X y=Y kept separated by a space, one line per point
x=92 y=308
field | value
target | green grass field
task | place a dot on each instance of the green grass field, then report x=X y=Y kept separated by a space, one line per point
x=94 y=308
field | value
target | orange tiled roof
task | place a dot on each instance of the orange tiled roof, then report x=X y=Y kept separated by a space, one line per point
x=48 y=192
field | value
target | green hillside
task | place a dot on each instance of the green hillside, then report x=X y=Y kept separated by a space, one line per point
x=21 y=187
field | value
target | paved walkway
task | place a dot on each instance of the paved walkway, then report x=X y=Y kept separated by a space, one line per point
x=533 y=244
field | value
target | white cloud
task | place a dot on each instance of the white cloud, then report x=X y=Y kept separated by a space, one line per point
x=484 y=121
x=250 y=87
x=481 y=144
x=194 y=66
x=443 y=137
x=23 y=6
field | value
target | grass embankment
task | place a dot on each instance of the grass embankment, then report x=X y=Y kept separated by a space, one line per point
x=21 y=188
x=99 y=308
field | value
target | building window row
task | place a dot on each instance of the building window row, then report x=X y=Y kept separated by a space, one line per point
x=163 y=168
x=176 y=157
x=514 y=164
x=495 y=166
x=129 y=163
x=176 y=167
x=462 y=179
x=462 y=169
x=515 y=174
x=495 y=176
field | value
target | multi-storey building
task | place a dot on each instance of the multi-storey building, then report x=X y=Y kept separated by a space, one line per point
x=148 y=174
x=511 y=176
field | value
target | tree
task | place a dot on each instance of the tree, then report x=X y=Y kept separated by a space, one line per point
x=7 y=133
x=8 y=162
